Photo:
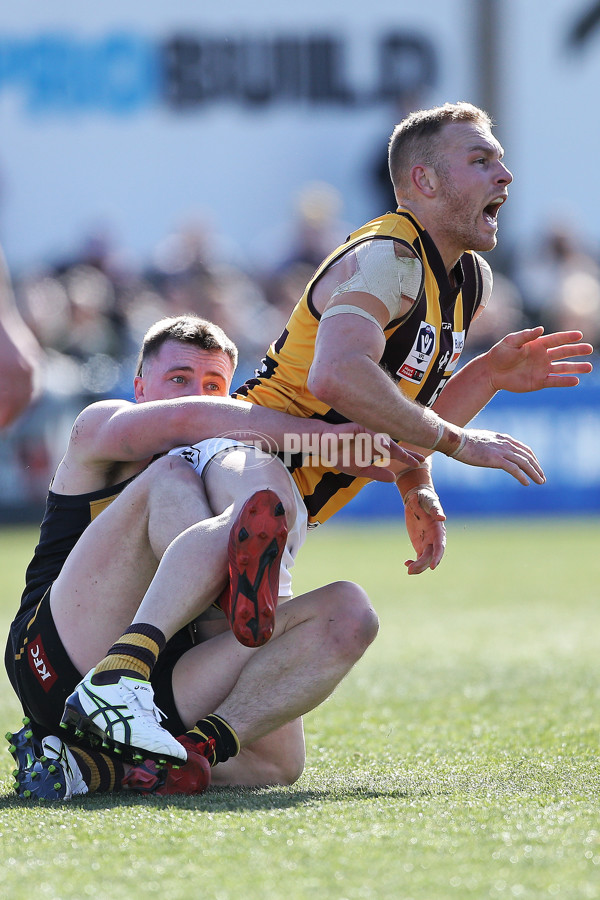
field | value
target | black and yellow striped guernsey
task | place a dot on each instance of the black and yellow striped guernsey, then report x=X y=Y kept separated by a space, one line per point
x=421 y=352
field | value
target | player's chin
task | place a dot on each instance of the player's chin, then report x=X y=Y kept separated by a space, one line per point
x=487 y=235
x=485 y=242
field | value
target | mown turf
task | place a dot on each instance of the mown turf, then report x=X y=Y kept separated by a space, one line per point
x=458 y=760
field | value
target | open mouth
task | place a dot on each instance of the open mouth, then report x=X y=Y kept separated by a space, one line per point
x=490 y=212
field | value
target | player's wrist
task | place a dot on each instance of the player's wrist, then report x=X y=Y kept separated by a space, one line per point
x=424 y=490
x=450 y=440
x=413 y=480
x=487 y=370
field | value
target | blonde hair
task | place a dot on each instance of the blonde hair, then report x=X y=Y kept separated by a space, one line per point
x=415 y=139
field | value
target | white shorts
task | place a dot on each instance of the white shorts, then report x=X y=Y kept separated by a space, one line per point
x=201 y=454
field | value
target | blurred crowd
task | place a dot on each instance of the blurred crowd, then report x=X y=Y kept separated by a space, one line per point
x=89 y=313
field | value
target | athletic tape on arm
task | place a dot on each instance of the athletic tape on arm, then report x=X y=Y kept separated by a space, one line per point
x=353 y=310
x=384 y=275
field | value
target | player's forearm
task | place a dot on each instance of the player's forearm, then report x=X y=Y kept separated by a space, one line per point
x=360 y=390
x=16 y=380
x=135 y=432
x=18 y=366
x=244 y=420
x=466 y=393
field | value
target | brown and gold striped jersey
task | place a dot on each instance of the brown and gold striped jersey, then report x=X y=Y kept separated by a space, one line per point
x=421 y=351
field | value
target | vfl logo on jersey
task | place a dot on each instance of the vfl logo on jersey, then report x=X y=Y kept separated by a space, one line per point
x=417 y=362
x=40 y=664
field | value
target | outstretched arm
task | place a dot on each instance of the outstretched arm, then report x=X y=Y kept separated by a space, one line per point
x=521 y=362
x=524 y=361
x=347 y=376
x=117 y=430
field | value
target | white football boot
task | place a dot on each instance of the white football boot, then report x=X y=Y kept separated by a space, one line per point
x=121 y=717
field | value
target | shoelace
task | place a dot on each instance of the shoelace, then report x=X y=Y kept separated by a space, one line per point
x=153 y=710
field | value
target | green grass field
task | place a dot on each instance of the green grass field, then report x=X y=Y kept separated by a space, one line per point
x=459 y=759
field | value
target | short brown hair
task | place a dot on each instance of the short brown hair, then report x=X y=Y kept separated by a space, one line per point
x=187 y=329
x=414 y=139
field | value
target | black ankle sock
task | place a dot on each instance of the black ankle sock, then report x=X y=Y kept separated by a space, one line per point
x=226 y=740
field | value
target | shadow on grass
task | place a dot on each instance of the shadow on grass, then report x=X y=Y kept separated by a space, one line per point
x=223 y=799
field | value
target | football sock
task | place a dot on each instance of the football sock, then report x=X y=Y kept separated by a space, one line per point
x=99 y=771
x=133 y=655
x=226 y=740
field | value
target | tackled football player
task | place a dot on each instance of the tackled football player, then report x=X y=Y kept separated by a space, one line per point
x=379 y=331
x=390 y=309
x=113 y=513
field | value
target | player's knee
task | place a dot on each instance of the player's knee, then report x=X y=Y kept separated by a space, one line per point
x=268 y=475
x=354 y=619
x=170 y=479
x=173 y=468
x=167 y=468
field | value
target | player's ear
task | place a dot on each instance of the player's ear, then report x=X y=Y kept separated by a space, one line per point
x=138 y=388
x=424 y=180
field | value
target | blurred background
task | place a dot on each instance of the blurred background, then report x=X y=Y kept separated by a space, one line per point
x=162 y=158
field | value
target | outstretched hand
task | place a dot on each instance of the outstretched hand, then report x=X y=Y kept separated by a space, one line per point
x=491 y=450
x=530 y=360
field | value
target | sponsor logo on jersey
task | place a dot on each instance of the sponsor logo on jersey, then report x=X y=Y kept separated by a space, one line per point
x=40 y=664
x=449 y=359
x=410 y=373
x=458 y=339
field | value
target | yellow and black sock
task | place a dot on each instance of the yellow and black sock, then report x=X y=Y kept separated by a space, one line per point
x=226 y=740
x=99 y=771
x=133 y=655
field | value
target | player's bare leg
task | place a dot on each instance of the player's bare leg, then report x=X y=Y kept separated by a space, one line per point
x=276 y=758
x=114 y=702
x=112 y=565
x=156 y=554
x=318 y=637
x=230 y=479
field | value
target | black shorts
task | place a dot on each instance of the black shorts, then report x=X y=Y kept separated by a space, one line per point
x=43 y=676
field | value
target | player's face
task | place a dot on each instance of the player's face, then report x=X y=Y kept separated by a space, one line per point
x=473 y=184
x=183 y=370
